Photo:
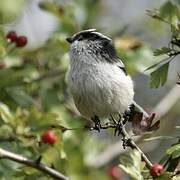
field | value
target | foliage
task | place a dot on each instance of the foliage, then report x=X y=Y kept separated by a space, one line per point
x=34 y=95
x=131 y=164
x=172 y=18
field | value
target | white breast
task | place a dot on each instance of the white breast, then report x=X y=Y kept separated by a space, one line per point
x=99 y=88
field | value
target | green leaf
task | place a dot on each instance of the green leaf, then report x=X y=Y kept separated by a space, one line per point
x=2 y=50
x=50 y=7
x=164 y=160
x=175 y=33
x=49 y=97
x=159 y=76
x=171 y=13
x=174 y=151
x=10 y=10
x=131 y=164
x=20 y=96
x=11 y=77
x=165 y=176
x=160 y=138
x=5 y=113
x=161 y=51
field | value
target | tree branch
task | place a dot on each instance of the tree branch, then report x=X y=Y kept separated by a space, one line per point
x=127 y=141
x=37 y=165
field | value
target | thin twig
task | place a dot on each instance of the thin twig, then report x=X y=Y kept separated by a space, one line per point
x=127 y=141
x=144 y=157
x=28 y=162
x=130 y=143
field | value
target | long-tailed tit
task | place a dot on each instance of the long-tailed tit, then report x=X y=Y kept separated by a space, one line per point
x=97 y=78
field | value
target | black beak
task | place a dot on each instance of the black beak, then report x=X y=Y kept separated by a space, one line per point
x=69 y=40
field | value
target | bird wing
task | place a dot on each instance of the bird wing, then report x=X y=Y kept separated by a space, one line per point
x=121 y=65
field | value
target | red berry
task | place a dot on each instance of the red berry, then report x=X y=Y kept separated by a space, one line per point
x=21 y=41
x=115 y=173
x=12 y=36
x=49 y=137
x=156 y=170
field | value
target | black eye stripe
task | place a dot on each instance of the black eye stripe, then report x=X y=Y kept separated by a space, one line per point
x=80 y=38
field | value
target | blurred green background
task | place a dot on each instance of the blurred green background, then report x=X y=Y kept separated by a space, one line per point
x=34 y=94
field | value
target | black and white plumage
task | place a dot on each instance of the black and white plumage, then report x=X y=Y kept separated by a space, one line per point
x=97 y=78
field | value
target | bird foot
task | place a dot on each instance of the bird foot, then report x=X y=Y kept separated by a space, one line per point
x=97 y=123
x=119 y=125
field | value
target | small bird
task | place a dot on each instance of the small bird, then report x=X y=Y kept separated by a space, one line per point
x=97 y=78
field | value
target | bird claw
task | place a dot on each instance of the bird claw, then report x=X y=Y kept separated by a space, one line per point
x=125 y=142
x=97 y=124
x=118 y=128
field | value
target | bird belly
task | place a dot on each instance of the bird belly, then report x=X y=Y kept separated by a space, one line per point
x=100 y=90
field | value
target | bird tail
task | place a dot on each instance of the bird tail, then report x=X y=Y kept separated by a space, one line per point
x=138 y=108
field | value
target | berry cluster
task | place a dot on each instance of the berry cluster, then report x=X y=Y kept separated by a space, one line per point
x=20 y=41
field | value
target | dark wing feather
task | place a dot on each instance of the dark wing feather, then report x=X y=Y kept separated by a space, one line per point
x=109 y=53
x=121 y=66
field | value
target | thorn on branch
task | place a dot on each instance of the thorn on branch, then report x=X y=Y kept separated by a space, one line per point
x=52 y=166
x=38 y=160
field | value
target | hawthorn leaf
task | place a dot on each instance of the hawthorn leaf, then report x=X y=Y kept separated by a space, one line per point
x=5 y=113
x=131 y=164
x=173 y=14
x=174 y=151
x=20 y=96
x=159 y=76
x=165 y=176
x=161 y=51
